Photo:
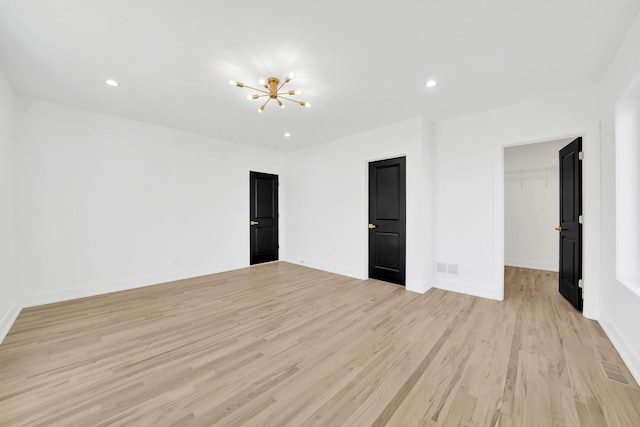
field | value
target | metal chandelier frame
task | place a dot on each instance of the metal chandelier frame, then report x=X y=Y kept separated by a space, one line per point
x=273 y=91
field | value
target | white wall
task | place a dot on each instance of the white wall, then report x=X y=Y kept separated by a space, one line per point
x=628 y=190
x=328 y=200
x=531 y=205
x=469 y=183
x=620 y=306
x=105 y=203
x=8 y=284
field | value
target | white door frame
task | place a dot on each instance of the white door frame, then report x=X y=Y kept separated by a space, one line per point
x=590 y=208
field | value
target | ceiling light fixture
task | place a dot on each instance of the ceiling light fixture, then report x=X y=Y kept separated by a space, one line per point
x=273 y=87
x=431 y=83
x=112 y=83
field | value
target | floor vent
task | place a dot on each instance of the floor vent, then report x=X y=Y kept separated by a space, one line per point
x=614 y=373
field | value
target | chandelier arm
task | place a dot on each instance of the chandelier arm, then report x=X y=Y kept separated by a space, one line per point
x=283 y=83
x=289 y=99
x=255 y=96
x=257 y=90
x=265 y=104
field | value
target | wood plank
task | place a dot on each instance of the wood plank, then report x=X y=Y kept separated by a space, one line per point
x=280 y=344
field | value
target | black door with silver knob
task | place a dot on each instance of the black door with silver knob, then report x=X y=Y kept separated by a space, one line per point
x=570 y=229
x=387 y=220
x=263 y=219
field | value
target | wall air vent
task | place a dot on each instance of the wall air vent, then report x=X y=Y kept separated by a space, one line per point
x=442 y=267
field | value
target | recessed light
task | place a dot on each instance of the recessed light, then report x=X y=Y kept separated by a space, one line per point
x=112 y=83
x=431 y=83
x=287 y=134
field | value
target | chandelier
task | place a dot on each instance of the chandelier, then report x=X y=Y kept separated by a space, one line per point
x=273 y=91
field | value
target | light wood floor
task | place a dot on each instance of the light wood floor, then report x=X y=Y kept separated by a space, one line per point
x=279 y=344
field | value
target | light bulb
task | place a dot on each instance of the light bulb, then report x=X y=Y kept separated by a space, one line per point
x=291 y=74
x=289 y=77
x=431 y=83
x=305 y=104
x=112 y=83
x=298 y=92
x=262 y=82
x=252 y=97
x=287 y=134
x=280 y=104
x=261 y=109
x=232 y=82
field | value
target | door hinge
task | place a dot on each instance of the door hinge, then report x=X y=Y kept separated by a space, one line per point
x=580 y=219
x=580 y=284
x=581 y=155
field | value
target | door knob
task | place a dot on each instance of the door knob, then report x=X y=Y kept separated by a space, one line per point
x=253 y=223
x=371 y=226
x=558 y=228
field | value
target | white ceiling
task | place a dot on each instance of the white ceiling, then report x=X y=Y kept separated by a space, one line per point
x=361 y=63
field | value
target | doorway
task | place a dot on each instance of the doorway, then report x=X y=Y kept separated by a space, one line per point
x=263 y=217
x=387 y=220
x=542 y=207
x=591 y=167
x=531 y=196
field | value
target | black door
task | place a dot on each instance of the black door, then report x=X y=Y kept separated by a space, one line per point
x=387 y=220
x=263 y=217
x=570 y=223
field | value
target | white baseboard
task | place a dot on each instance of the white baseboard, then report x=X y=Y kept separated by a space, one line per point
x=329 y=268
x=459 y=286
x=9 y=319
x=417 y=288
x=120 y=285
x=626 y=351
x=534 y=265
